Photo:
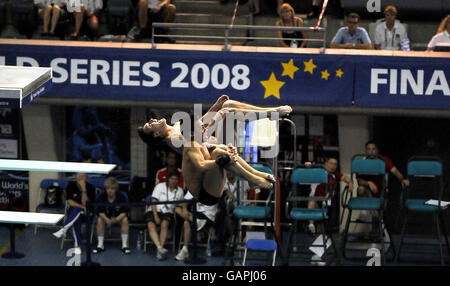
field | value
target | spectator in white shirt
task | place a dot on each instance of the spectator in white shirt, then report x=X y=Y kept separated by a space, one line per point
x=206 y=216
x=390 y=33
x=49 y=11
x=442 y=35
x=163 y=214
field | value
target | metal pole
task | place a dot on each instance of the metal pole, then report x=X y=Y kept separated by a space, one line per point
x=194 y=259
x=88 y=240
x=153 y=37
x=225 y=40
x=324 y=36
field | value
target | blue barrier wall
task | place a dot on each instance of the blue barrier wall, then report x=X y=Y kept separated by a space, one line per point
x=260 y=78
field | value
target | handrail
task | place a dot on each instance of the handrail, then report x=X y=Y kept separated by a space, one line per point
x=227 y=28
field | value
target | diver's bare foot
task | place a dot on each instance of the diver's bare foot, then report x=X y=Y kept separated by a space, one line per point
x=220 y=101
x=269 y=177
x=266 y=176
x=284 y=110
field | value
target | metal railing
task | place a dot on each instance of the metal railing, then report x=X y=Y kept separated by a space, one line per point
x=229 y=28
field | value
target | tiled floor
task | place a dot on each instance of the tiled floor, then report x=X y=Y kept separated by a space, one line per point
x=44 y=250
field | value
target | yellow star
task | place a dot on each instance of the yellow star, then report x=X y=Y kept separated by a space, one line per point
x=272 y=86
x=339 y=73
x=309 y=66
x=289 y=69
x=325 y=74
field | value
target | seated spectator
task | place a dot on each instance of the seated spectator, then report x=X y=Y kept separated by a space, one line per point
x=163 y=214
x=161 y=175
x=318 y=190
x=224 y=218
x=371 y=185
x=149 y=11
x=288 y=19
x=390 y=33
x=442 y=35
x=49 y=11
x=78 y=193
x=206 y=215
x=112 y=214
x=352 y=36
x=88 y=10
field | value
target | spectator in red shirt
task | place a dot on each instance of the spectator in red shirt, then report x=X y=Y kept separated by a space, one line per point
x=318 y=190
x=371 y=185
x=161 y=175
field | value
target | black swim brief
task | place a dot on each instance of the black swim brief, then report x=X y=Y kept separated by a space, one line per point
x=207 y=199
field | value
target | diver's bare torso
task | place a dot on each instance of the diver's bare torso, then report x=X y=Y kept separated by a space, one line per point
x=194 y=175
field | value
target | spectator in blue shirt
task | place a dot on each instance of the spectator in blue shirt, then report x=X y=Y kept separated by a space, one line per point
x=352 y=36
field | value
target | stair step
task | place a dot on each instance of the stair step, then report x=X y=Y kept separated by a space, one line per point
x=215 y=43
x=194 y=2
x=209 y=19
x=199 y=38
x=205 y=6
x=206 y=32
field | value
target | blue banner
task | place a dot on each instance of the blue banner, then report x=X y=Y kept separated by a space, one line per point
x=10 y=121
x=14 y=191
x=259 y=78
x=190 y=76
x=403 y=82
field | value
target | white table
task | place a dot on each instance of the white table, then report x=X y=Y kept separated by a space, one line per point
x=46 y=166
x=25 y=218
x=53 y=166
x=20 y=85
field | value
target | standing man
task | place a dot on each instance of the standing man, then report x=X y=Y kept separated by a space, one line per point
x=352 y=36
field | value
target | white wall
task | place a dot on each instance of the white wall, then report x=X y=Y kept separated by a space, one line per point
x=41 y=139
x=353 y=134
x=138 y=153
x=44 y=129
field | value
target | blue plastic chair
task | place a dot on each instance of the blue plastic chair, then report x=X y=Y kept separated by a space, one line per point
x=242 y=211
x=420 y=168
x=260 y=245
x=364 y=164
x=306 y=176
x=245 y=214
